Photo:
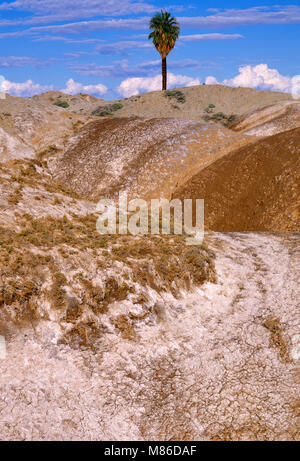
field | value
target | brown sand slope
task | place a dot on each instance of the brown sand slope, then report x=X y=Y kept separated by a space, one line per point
x=270 y=120
x=28 y=126
x=255 y=188
x=146 y=157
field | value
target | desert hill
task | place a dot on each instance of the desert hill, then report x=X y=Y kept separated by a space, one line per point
x=29 y=126
x=255 y=188
x=190 y=102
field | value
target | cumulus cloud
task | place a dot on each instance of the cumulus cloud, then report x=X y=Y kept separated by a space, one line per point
x=136 y=85
x=73 y=87
x=210 y=80
x=28 y=88
x=259 y=76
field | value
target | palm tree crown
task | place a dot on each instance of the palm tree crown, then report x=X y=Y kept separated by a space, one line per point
x=165 y=31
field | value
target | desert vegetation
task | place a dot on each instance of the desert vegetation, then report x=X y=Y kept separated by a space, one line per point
x=62 y=104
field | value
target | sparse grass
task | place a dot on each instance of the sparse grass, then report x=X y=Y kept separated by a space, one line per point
x=43 y=247
x=24 y=172
x=16 y=196
x=47 y=258
x=104 y=111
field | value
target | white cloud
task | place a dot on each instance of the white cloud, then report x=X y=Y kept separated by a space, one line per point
x=73 y=87
x=124 y=69
x=118 y=47
x=46 y=11
x=260 y=76
x=121 y=46
x=210 y=80
x=248 y=16
x=136 y=85
x=28 y=88
x=209 y=37
x=53 y=11
x=22 y=61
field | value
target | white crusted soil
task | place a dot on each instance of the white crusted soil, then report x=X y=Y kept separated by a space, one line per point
x=209 y=369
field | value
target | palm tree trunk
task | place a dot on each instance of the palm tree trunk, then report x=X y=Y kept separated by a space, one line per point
x=164 y=74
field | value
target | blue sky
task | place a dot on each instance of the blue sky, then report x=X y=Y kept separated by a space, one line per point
x=101 y=47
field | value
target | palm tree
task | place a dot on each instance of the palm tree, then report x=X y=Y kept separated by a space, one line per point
x=165 y=32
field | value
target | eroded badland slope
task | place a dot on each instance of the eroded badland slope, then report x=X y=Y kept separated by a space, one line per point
x=145 y=157
x=120 y=337
x=255 y=188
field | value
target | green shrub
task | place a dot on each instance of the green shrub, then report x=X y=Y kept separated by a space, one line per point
x=219 y=116
x=117 y=106
x=104 y=113
x=210 y=108
x=176 y=94
x=226 y=120
x=63 y=104
x=231 y=120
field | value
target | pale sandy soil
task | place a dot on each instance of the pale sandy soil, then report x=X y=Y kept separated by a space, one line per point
x=220 y=364
x=226 y=99
x=28 y=127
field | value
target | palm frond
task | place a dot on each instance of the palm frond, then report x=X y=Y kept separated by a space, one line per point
x=165 y=31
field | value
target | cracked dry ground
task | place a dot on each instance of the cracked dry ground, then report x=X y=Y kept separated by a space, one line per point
x=219 y=363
